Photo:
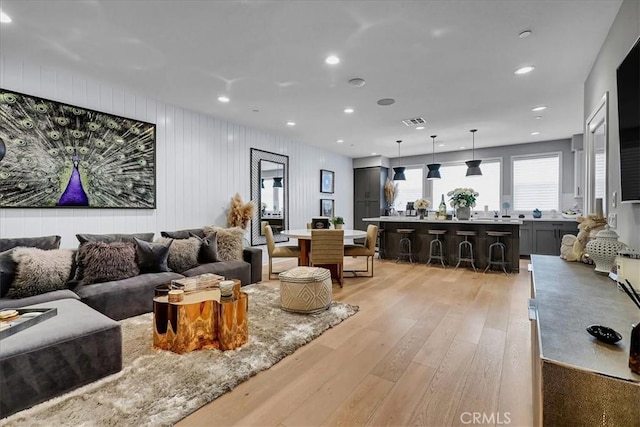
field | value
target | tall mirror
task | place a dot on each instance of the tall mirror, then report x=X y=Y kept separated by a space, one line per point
x=596 y=157
x=270 y=193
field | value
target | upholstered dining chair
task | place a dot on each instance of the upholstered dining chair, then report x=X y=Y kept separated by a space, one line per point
x=327 y=248
x=278 y=251
x=367 y=250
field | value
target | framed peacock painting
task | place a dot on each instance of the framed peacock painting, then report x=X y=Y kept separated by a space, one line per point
x=55 y=155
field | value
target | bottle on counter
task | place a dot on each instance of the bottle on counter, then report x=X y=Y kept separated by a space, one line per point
x=442 y=209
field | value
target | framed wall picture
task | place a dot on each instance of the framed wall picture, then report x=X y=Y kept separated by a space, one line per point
x=327 y=183
x=327 y=207
x=55 y=155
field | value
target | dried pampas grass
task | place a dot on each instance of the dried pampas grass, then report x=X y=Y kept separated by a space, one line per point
x=240 y=213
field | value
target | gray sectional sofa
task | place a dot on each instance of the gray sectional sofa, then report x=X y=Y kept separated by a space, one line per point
x=83 y=342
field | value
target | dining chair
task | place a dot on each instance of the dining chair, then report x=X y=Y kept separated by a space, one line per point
x=368 y=250
x=327 y=248
x=278 y=251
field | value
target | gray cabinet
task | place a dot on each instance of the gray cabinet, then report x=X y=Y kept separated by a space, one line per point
x=368 y=194
x=546 y=236
x=526 y=243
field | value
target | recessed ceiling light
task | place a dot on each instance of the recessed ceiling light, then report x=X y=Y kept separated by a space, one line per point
x=535 y=133
x=332 y=60
x=340 y=141
x=349 y=110
x=524 y=70
x=540 y=108
x=524 y=34
x=223 y=99
x=441 y=145
x=374 y=154
x=462 y=147
x=538 y=117
x=420 y=128
x=4 y=18
x=291 y=123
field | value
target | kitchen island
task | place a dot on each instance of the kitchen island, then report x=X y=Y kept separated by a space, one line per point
x=421 y=237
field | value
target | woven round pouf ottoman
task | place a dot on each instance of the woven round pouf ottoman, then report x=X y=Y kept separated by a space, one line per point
x=305 y=289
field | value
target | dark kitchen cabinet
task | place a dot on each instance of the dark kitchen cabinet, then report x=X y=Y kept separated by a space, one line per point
x=368 y=194
x=547 y=236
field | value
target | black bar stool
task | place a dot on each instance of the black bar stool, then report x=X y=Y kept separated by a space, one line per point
x=436 y=249
x=498 y=247
x=465 y=248
x=405 y=248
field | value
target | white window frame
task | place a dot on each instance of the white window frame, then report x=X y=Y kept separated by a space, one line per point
x=537 y=156
x=422 y=168
x=478 y=208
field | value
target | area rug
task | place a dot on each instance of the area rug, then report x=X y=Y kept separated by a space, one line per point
x=160 y=387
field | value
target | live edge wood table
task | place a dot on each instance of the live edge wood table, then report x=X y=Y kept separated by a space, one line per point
x=203 y=319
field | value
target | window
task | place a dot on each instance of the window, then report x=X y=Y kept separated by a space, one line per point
x=411 y=189
x=488 y=185
x=601 y=179
x=536 y=182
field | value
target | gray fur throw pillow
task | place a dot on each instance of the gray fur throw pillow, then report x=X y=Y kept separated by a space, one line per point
x=39 y=271
x=229 y=242
x=105 y=262
x=183 y=253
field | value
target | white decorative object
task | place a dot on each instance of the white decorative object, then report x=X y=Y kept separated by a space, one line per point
x=226 y=288
x=603 y=249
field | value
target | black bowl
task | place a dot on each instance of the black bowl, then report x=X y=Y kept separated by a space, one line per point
x=604 y=334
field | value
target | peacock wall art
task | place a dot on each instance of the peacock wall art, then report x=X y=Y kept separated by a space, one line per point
x=59 y=155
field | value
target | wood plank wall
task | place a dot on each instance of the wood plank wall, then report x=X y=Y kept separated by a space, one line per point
x=202 y=162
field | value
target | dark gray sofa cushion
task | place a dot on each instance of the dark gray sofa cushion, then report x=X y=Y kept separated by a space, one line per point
x=240 y=270
x=45 y=242
x=253 y=256
x=183 y=234
x=37 y=299
x=127 y=297
x=73 y=348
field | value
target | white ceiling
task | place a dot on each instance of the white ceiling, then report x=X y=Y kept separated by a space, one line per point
x=450 y=62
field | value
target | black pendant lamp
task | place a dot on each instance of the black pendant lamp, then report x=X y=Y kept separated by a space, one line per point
x=473 y=166
x=277 y=181
x=398 y=172
x=434 y=168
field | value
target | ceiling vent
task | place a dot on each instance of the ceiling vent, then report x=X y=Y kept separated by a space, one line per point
x=415 y=121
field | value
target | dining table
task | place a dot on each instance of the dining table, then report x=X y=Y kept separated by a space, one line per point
x=304 y=240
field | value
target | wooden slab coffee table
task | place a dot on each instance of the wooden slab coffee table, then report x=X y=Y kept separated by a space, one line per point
x=203 y=319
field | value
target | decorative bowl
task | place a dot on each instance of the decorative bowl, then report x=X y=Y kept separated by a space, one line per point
x=604 y=334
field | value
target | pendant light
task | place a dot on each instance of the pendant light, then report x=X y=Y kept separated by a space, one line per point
x=434 y=168
x=277 y=181
x=399 y=171
x=473 y=166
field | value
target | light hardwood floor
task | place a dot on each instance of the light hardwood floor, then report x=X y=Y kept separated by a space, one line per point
x=429 y=347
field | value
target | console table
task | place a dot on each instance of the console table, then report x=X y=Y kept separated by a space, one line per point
x=203 y=319
x=578 y=380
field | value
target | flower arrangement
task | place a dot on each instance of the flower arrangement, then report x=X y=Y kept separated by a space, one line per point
x=390 y=192
x=240 y=213
x=337 y=220
x=421 y=204
x=462 y=198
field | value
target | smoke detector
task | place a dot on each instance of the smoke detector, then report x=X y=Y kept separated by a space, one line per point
x=357 y=82
x=415 y=121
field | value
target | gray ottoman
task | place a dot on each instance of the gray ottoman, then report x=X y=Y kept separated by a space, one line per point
x=305 y=289
x=77 y=346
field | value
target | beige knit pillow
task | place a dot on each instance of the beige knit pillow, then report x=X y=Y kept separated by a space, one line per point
x=39 y=271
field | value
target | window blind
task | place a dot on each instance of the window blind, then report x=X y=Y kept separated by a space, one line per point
x=536 y=182
x=487 y=185
x=411 y=189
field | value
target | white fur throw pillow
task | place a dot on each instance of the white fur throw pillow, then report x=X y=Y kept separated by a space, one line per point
x=39 y=271
x=229 y=242
x=183 y=253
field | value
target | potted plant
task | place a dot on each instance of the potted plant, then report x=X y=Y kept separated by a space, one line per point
x=462 y=200
x=337 y=222
x=421 y=205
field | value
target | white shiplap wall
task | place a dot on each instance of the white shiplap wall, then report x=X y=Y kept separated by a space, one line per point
x=202 y=162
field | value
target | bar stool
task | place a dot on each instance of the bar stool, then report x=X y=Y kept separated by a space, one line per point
x=381 y=243
x=405 y=250
x=498 y=247
x=436 y=250
x=465 y=248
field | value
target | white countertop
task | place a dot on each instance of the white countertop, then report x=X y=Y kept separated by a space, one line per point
x=440 y=221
